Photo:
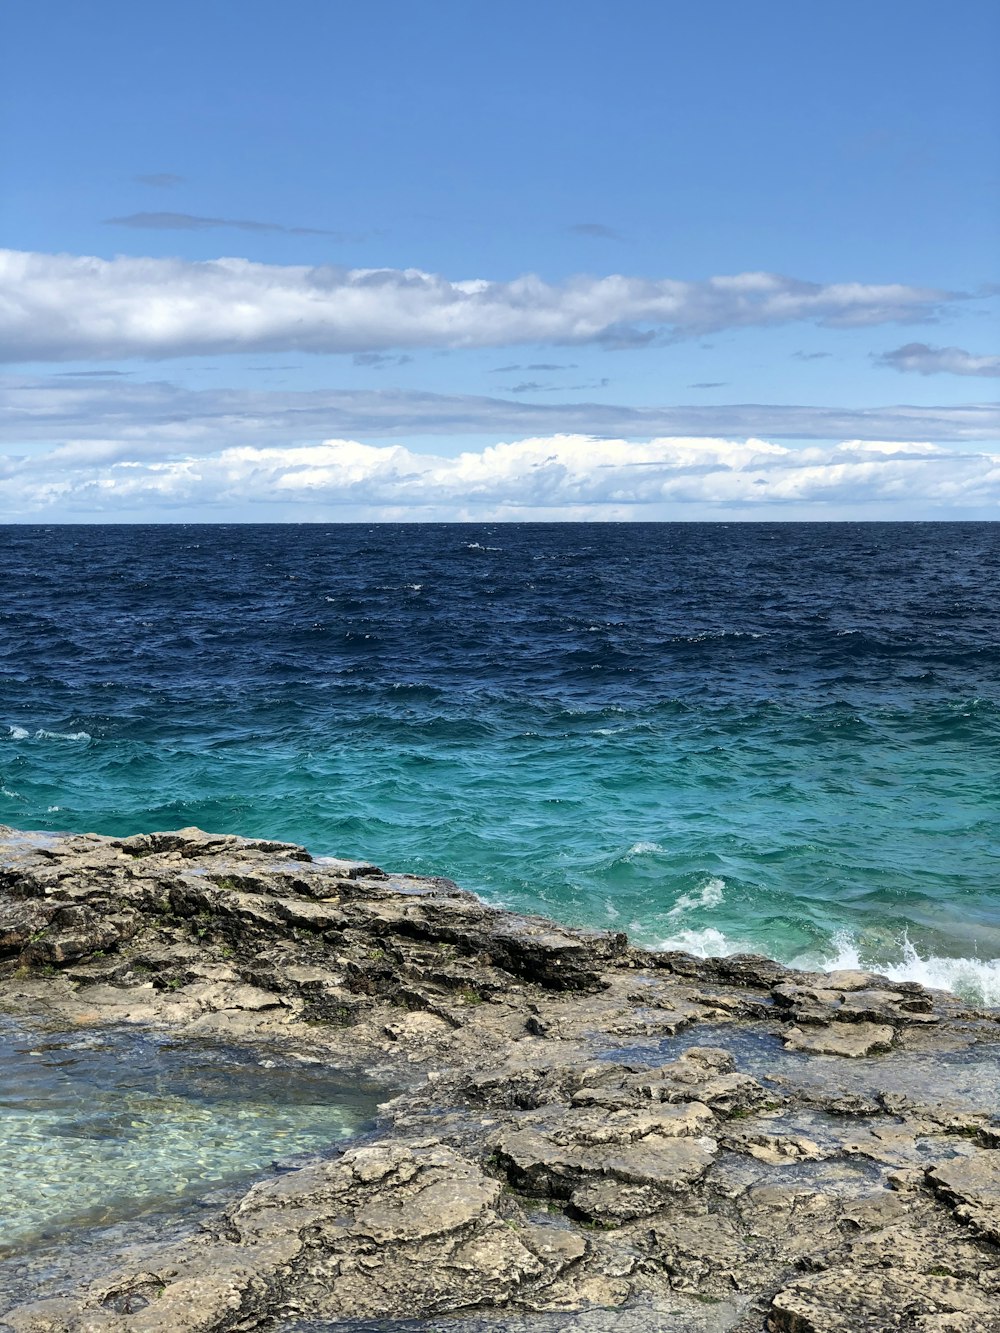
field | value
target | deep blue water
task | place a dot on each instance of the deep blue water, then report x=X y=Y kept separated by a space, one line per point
x=777 y=736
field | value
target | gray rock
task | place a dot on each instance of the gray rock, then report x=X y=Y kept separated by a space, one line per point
x=577 y=1125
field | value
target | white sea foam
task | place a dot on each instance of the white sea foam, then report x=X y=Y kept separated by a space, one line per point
x=43 y=735
x=711 y=894
x=642 y=849
x=975 y=979
x=18 y=733
x=707 y=943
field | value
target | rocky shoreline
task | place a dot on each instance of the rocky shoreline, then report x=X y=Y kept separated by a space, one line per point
x=582 y=1126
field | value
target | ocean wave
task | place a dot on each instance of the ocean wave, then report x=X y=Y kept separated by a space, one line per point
x=23 y=734
x=642 y=849
x=706 y=943
x=974 y=979
x=711 y=894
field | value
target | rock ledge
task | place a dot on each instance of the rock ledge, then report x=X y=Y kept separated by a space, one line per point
x=721 y=1143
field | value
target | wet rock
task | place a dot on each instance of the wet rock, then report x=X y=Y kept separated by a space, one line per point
x=707 y=1074
x=849 y=1039
x=406 y=1227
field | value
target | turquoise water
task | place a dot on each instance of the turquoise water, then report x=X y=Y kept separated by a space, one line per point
x=777 y=737
x=100 y=1126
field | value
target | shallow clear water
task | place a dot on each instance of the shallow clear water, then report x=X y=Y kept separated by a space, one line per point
x=783 y=737
x=968 y=1079
x=96 y=1126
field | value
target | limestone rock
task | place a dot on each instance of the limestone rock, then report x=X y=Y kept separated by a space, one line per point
x=875 y=1301
x=972 y=1186
x=849 y=1039
x=568 y=1122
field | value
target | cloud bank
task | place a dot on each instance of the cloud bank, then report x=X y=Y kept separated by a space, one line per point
x=562 y=476
x=159 y=417
x=63 y=307
x=922 y=359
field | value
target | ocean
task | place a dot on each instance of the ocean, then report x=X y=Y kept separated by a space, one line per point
x=782 y=738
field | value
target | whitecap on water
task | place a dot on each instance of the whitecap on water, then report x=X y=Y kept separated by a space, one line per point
x=642 y=849
x=18 y=733
x=711 y=894
x=707 y=943
x=43 y=735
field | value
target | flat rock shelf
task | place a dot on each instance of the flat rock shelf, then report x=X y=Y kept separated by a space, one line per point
x=584 y=1135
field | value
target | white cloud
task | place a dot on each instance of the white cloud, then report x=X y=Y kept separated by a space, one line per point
x=61 y=307
x=570 y=476
x=922 y=359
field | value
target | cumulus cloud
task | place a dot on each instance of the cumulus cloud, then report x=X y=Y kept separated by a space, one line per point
x=192 y=222
x=61 y=307
x=562 y=475
x=157 y=415
x=922 y=359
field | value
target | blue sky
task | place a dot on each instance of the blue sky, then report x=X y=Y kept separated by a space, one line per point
x=547 y=205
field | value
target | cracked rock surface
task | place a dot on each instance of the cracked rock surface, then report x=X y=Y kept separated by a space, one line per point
x=588 y=1135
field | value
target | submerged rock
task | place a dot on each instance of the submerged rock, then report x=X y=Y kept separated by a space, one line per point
x=719 y=1143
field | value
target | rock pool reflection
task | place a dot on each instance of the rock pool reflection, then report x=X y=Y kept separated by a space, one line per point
x=99 y=1125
